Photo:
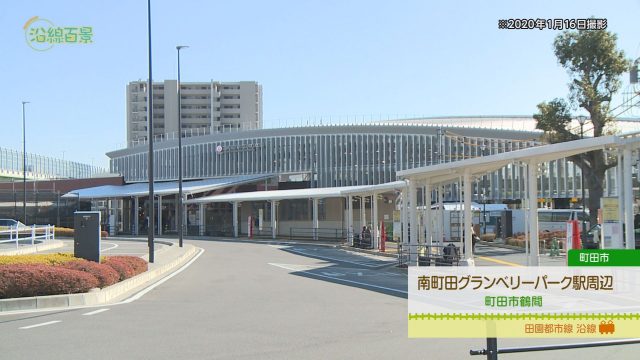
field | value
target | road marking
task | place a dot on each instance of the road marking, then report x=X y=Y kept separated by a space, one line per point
x=41 y=324
x=292 y=268
x=95 y=312
x=500 y=261
x=146 y=290
x=361 y=263
x=110 y=248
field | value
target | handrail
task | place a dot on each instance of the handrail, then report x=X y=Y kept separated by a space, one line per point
x=35 y=232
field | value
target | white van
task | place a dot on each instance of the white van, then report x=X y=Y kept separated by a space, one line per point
x=556 y=219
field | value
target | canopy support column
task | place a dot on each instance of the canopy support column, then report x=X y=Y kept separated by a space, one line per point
x=427 y=215
x=532 y=185
x=363 y=219
x=350 y=219
x=468 y=223
x=316 y=223
x=235 y=219
x=159 y=221
x=136 y=217
x=413 y=222
x=203 y=222
x=374 y=221
x=274 y=225
x=403 y=214
x=628 y=199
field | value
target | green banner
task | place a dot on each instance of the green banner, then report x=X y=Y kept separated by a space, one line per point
x=604 y=257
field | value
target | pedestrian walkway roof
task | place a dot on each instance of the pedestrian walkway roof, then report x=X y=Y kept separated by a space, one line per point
x=162 y=188
x=452 y=171
x=310 y=193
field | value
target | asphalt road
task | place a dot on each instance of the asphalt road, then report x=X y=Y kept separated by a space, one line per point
x=257 y=301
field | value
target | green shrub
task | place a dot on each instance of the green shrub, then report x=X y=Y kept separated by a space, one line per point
x=25 y=280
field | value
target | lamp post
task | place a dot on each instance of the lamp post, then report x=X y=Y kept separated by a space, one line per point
x=581 y=120
x=484 y=195
x=151 y=209
x=24 y=166
x=180 y=210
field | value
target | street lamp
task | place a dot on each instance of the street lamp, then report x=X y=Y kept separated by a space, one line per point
x=24 y=166
x=180 y=211
x=581 y=120
x=484 y=195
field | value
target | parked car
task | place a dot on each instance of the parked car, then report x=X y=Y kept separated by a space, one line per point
x=6 y=224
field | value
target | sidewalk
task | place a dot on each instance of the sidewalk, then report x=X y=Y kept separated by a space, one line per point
x=167 y=260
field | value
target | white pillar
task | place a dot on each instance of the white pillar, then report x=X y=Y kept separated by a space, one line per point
x=235 y=219
x=621 y=178
x=427 y=215
x=403 y=214
x=273 y=219
x=374 y=221
x=159 y=222
x=440 y=219
x=628 y=199
x=136 y=225
x=532 y=185
x=203 y=222
x=363 y=216
x=468 y=235
x=413 y=222
x=316 y=223
x=350 y=219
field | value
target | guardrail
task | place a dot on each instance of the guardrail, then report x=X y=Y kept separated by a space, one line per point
x=34 y=232
x=425 y=255
x=336 y=234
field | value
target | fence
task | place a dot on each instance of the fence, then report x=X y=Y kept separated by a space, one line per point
x=492 y=350
x=35 y=233
x=439 y=255
x=334 y=234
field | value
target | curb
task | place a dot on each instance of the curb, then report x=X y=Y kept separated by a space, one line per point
x=101 y=296
x=52 y=244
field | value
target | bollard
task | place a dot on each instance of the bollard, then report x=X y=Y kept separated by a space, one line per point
x=33 y=234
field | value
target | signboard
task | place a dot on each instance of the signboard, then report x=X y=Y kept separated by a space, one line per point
x=611 y=225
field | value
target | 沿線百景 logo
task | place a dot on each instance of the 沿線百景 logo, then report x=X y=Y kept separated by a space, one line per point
x=41 y=34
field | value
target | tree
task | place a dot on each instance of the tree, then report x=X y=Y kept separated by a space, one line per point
x=594 y=65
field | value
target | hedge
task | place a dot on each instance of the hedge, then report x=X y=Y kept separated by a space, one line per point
x=26 y=280
x=105 y=274
x=136 y=264
x=68 y=232
x=45 y=259
x=123 y=268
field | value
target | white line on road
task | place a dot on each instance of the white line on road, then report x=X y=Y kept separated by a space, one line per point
x=41 y=324
x=291 y=268
x=95 y=312
x=110 y=248
x=361 y=263
x=143 y=292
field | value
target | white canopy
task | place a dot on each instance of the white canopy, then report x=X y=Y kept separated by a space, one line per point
x=311 y=193
x=161 y=188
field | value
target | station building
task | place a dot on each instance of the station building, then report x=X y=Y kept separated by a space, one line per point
x=340 y=157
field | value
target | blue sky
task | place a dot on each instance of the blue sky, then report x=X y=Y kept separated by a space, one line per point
x=314 y=59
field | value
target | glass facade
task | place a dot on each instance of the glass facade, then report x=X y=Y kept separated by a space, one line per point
x=333 y=156
x=43 y=167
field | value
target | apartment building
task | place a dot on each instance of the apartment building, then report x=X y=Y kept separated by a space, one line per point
x=207 y=108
